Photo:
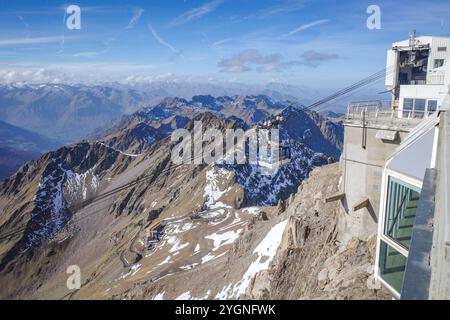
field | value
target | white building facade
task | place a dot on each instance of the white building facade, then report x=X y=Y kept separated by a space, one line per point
x=395 y=167
x=418 y=74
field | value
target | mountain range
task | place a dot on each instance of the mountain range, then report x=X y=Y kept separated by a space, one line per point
x=70 y=112
x=137 y=224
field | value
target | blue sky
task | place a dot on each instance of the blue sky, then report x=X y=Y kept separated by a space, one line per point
x=304 y=42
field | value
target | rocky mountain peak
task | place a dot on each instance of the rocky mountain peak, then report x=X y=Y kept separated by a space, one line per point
x=118 y=201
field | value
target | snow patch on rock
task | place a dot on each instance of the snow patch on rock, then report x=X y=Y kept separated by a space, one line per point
x=265 y=252
x=214 y=177
x=222 y=239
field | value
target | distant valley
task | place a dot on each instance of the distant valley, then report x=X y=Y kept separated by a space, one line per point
x=19 y=145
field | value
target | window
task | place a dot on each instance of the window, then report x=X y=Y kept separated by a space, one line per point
x=438 y=63
x=392 y=266
x=399 y=216
x=432 y=105
x=419 y=108
x=442 y=49
x=416 y=107
x=400 y=212
x=408 y=105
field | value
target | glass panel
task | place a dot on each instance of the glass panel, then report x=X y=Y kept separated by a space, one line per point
x=400 y=211
x=407 y=106
x=432 y=105
x=419 y=108
x=392 y=266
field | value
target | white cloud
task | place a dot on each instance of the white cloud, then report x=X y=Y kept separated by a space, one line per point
x=90 y=54
x=308 y=25
x=283 y=8
x=149 y=78
x=70 y=72
x=220 y=42
x=137 y=14
x=22 y=19
x=312 y=58
x=26 y=41
x=162 y=41
x=245 y=60
x=36 y=75
x=110 y=41
x=241 y=62
x=196 y=13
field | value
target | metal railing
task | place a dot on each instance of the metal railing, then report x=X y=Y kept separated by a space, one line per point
x=380 y=112
x=371 y=104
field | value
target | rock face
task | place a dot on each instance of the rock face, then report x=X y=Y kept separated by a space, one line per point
x=313 y=130
x=140 y=227
x=310 y=263
x=151 y=124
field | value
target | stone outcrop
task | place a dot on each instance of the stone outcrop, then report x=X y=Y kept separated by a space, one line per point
x=311 y=263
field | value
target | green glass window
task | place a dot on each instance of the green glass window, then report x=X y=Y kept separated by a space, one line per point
x=402 y=200
x=392 y=266
x=401 y=206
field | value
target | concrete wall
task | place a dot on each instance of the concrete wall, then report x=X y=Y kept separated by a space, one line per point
x=361 y=171
x=440 y=253
x=416 y=283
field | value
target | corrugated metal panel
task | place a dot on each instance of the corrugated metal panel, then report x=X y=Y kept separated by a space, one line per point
x=435 y=54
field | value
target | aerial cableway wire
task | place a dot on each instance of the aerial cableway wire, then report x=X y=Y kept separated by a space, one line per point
x=374 y=77
x=358 y=85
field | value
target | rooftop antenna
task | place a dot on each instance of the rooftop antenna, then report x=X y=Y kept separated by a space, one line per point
x=412 y=39
x=412 y=45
